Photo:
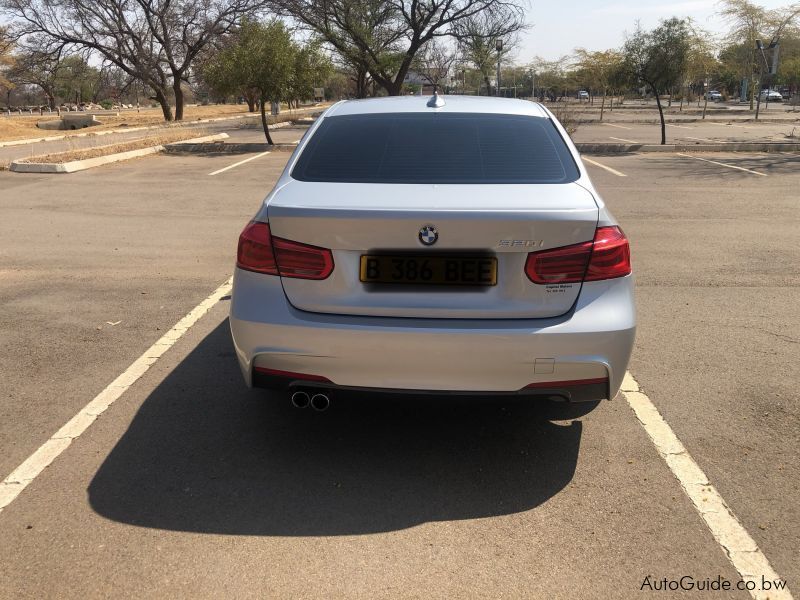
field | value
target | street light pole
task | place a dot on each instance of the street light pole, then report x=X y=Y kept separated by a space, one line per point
x=499 y=47
x=760 y=48
x=533 y=84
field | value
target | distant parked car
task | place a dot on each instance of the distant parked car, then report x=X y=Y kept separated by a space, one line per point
x=714 y=96
x=583 y=95
x=772 y=95
x=786 y=93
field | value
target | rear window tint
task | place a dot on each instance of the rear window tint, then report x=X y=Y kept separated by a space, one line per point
x=436 y=148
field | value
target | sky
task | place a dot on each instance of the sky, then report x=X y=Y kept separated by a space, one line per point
x=560 y=27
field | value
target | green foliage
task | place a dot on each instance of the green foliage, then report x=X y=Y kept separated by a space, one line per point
x=658 y=58
x=75 y=79
x=600 y=70
x=789 y=71
x=311 y=68
x=264 y=58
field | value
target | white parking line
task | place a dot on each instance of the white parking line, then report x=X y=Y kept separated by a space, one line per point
x=617 y=126
x=32 y=467
x=597 y=164
x=729 y=533
x=623 y=140
x=241 y=162
x=678 y=126
x=714 y=162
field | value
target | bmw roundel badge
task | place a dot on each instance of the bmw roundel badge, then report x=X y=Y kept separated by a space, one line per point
x=428 y=235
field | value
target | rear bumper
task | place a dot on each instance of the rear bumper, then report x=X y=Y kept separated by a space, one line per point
x=587 y=390
x=556 y=356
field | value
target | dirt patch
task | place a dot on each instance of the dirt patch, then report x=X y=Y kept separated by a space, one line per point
x=159 y=139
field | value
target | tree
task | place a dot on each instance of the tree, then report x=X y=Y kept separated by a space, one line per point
x=155 y=41
x=601 y=69
x=384 y=37
x=433 y=64
x=6 y=60
x=657 y=59
x=551 y=77
x=75 y=80
x=478 y=35
x=748 y=23
x=700 y=63
x=789 y=72
x=264 y=58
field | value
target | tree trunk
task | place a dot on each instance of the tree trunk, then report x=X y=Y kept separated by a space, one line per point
x=264 y=121
x=394 y=88
x=661 y=115
x=250 y=98
x=603 y=104
x=705 y=105
x=176 y=88
x=360 y=79
x=161 y=98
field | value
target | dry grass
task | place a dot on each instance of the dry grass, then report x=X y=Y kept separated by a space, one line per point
x=24 y=127
x=167 y=136
x=565 y=113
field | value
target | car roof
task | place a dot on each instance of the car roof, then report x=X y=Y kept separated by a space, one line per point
x=452 y=104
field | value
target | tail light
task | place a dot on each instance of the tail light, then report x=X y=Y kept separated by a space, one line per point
x=259 y=251
x=255 y=250
x=607 y=257
x=611 y=255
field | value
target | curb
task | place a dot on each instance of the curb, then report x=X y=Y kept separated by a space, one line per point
x=602 y=148
x=223 y=147
x=89 y=163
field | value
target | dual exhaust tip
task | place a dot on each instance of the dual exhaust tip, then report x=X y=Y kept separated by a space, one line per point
x=318 y=401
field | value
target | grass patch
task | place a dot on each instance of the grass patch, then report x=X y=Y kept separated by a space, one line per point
x=167 y=136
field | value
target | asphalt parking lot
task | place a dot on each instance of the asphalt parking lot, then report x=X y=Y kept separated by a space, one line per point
x=191 y=485
x=699 y=132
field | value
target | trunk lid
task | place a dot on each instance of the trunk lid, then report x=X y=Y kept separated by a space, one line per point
x=505 y=221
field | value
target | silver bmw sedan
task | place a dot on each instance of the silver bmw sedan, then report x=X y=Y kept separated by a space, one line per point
x=450 y=244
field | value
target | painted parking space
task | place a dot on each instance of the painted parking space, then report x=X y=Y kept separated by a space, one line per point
x=191 y=485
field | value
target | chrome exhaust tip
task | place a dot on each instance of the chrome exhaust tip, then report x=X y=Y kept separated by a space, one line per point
x=320 y=402
x=300 y=399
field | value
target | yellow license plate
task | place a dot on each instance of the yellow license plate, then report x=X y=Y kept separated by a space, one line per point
x=429 y=270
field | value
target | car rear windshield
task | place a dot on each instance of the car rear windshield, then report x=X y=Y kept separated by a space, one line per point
x=436 y=148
